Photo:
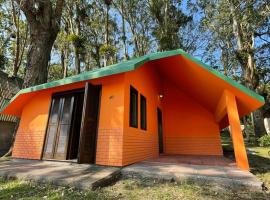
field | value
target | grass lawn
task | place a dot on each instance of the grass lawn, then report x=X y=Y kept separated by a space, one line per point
x=147 y=188
x=125 y=189
x=260 y=163
x=258 y=157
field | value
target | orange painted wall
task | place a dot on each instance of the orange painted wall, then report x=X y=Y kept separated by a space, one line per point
x=32 y=128
x=31 y=131
x=188 y=127
x=141 y=144
x=110 y=133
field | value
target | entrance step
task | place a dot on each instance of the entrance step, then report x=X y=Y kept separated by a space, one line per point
x=80 y=176
x=227 y=176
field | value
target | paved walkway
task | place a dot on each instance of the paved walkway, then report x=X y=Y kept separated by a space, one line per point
x=85 y=176
x=195 y=160
x=223 y=175
x=82 y=176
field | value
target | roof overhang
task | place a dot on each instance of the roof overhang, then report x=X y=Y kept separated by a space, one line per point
x=199 y=80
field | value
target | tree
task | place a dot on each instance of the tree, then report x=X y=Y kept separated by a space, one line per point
x=74 y=18
x=44 y=21
x=62 y=46
x=124 y=34
x=139 y=20
x=246 y=19
x=168 y=20
x=107 y=50
x=235 y=25
x=21 y=33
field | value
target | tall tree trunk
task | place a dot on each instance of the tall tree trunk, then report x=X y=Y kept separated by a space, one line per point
x=97 y=56
x=246 y=128
x=245 y=56
x=253 y=128
x=23 y=48
x=64 y=63
x=44 y=23
x=106 y=33
x=259 y=127
x=77 y=60
x=107 y=25
x=77 y=43
x=136 y=43
x=16 y=22
x=124 y=38
x=38 y=56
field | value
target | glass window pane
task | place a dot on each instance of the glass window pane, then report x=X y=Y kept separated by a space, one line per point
x=133 y=108
x=62 y=140
x=54 y=112
x=50 y=138
x=67 y=113
x=143 y=112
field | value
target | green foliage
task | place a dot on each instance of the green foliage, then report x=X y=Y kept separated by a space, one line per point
x=169 y=19
x=147 y=26
x=55 y=72
x=107 y=50
x=62 y=41
x=78 y=40
x=264 y=141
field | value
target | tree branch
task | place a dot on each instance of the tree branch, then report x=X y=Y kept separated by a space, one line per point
x=58 y=10
x=25 y=6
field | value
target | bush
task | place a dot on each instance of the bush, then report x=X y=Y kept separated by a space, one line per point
x=264 y=141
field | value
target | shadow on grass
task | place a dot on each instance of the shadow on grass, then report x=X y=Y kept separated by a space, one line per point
x=258 y=157
x=188 y=189
x=19 y=189
x=258 y=163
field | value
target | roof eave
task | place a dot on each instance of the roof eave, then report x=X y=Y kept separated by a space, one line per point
x=129 y=66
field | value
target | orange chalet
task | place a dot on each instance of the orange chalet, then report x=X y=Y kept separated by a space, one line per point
x=163 y=103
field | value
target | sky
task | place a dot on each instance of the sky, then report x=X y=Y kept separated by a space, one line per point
x=55 y=57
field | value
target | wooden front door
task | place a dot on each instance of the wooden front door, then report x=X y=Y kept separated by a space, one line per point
x=59 y=127
x=88 y=135
x=160 y=130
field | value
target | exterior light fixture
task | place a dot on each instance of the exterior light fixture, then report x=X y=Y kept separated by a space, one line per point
x=161 y=96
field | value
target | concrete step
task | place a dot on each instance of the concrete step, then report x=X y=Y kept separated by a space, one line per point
x=227 y=176
x=83 y=176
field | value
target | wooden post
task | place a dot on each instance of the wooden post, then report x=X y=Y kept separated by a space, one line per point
x=236 y=133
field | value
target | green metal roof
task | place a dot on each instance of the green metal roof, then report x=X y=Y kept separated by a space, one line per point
x=131 y=65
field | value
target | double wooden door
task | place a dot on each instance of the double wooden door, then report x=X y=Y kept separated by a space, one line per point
x=59 y=127
x=72 y=125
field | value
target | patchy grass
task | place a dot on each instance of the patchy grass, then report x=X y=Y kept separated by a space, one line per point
x=147 y=188
x=260 y=163
x=20 y=189
x=258 y=157
x=126 y=189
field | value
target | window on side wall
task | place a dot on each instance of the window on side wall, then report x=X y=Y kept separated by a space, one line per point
x=143 y=112
x=133 y=111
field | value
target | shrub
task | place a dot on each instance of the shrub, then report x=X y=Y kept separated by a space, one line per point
x=264 y=141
